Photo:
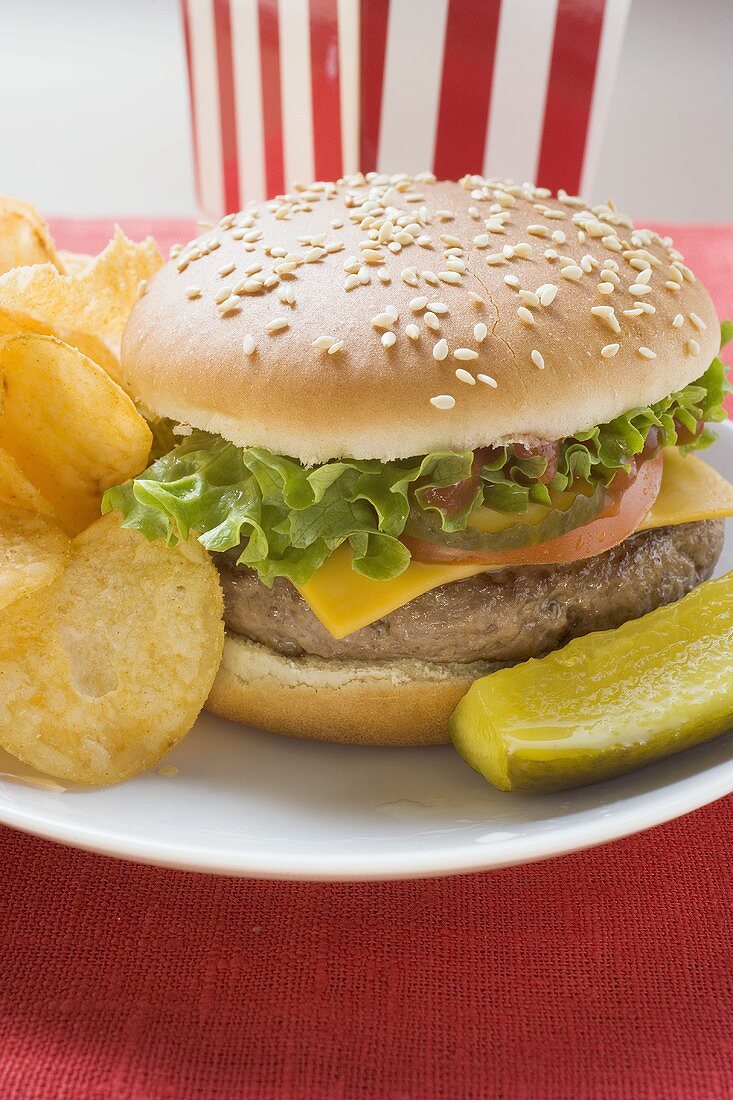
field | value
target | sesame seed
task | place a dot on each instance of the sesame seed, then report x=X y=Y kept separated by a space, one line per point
x=635 y=312
x=538 y=359
x=508 y=251
x=250 y=286
x=529 y=298
x=412 y=332
x=647 y=353
x=452 y=242
x=692 y=347
x=550 y=254
x=229 y=304
x=449 y=277
x=409 y=276
x=678 y=321
x=475 y=299
x=697 y=322
x=418 y=304
x=672 y=286
x=225 y=269
x=525 y=316
x=277 y=324
x=606 y=288
x=336 y=347
x=482 y=240
x=456 y=265
x=465 y=354
x=383 y=320
x=609 y=350
x=512 y=281
x=443 y=401
x=352 y=282
x=645 y=307
x=142 y=287
x=431 y=321
x=440 y=350
x=249 y=344
x=323 y=343
x=438 y=307
x=223 y=294
x=523 y=250
x=496 y=258
x=480 y=332
x=547 y=293
x=424 y=242
x=607 y=314
x=389 y=339
x=487 y=380
x=384 y=277
x=572 y=272
x=538 y=230
x=430 y=277
x=465 y=376
x=639 y=289
x=559 y=237
x=193 y=292
x=364 y=276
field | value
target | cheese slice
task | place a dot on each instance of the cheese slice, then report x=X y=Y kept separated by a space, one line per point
x=345 y=601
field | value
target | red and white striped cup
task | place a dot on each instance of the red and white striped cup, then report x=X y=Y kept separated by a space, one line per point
x=285 y=90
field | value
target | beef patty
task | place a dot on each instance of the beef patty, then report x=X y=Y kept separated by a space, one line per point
x=504 y=616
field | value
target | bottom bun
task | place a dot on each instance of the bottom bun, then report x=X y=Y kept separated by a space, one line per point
x=400 y=703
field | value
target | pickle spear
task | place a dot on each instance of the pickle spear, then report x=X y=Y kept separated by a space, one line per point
x=607 y=703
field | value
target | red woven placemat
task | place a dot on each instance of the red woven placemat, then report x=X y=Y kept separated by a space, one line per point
x=606 y=974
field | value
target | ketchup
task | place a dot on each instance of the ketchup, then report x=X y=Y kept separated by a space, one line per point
x=451 y=499
x=548 y=451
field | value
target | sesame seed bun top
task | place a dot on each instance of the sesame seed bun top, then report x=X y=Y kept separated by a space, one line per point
x=389 y=316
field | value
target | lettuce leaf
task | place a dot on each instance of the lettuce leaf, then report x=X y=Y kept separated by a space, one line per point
x=286 y=519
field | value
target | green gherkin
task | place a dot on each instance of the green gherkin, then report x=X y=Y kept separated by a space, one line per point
x=607 y=703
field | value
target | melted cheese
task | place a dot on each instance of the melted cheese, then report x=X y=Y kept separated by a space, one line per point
x=345 y=601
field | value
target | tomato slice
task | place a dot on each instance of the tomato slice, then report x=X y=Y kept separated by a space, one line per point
x=619 y=520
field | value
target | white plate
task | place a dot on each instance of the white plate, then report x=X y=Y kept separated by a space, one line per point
x=251 y=803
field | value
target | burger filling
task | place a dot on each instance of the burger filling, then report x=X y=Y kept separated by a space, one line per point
x=521 y=504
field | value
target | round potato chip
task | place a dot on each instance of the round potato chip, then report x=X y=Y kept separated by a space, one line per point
x=87 y=308
x=16 y=490
x=24 y=236
x=72 y=431
x=33 y=551
x=105 y=670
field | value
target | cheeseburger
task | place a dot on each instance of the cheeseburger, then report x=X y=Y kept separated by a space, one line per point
x=426 y=429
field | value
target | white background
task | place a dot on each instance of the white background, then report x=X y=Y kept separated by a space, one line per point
x=94 y=116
